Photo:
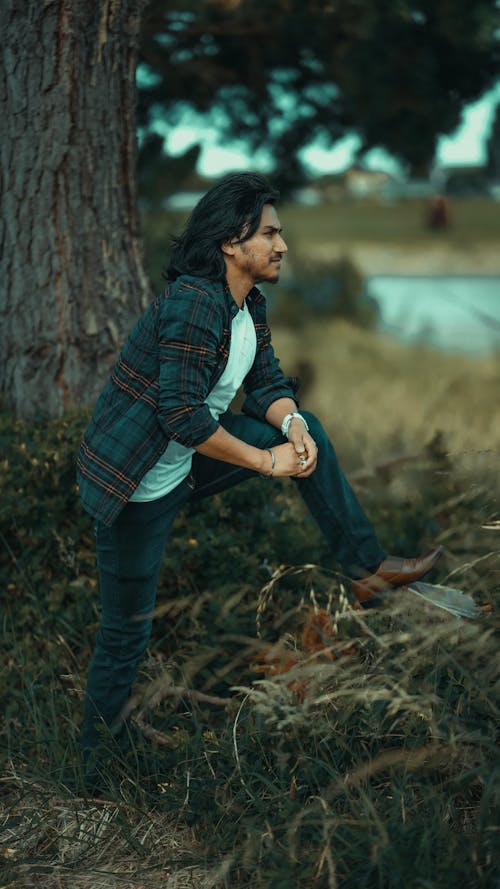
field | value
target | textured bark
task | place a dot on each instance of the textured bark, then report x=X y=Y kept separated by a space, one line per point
x=72 y=281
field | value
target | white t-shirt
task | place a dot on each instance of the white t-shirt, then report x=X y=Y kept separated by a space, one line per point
x=175 y=462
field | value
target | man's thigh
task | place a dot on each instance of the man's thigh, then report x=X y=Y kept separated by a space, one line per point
x=134 y=543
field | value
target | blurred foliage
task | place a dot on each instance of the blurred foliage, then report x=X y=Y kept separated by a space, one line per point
x=158 y=227
x=47 y=571
x=465 y=182
x=493 y=148
x=280 y=75
x=158 y=174
x=337 y=289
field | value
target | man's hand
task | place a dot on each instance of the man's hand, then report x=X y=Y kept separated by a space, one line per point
x=299 y=457
x=304 y=447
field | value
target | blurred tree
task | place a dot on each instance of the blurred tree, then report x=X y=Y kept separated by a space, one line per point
x=158 y=174
x=72 y=279
x=493 y=148
x=280 y=73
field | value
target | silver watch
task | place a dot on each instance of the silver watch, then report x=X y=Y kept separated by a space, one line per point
x=288 y=419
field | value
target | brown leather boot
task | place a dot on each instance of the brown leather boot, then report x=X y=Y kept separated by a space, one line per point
x=393 y=572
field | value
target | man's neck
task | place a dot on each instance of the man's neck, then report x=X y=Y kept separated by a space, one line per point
x=239 y=286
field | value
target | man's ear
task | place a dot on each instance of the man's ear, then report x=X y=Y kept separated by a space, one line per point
x=228 y=247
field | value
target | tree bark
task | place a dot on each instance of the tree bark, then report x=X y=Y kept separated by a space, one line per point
x=72 y=281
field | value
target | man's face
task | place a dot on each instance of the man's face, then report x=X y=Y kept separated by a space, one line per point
x=259 y=258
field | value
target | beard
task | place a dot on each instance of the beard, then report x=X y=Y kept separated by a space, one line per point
x=260 y=268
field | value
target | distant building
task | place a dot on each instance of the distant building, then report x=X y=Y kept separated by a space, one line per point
x=361 y=183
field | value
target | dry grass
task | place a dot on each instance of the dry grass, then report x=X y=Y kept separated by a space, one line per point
x=379 y=397
x=76 y=843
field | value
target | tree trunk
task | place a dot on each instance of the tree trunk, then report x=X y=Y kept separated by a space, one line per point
x=72 y=280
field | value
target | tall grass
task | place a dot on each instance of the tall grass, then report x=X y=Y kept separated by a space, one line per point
x=382 y=772
x=372 y=763
x=379 y=397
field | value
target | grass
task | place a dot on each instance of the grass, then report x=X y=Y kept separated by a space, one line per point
x=371 y=764
x=472 y=220
x=383 y=773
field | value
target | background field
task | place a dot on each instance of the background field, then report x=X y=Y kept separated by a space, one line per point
x=379 y=397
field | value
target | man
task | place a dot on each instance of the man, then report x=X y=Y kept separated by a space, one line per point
x=161 y=433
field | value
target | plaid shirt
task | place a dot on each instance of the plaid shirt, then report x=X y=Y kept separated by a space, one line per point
x=157 y=389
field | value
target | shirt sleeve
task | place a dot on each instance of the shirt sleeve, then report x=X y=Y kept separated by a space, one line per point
x=190 y=328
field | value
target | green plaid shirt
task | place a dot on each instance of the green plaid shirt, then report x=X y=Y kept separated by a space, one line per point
x=157 y=389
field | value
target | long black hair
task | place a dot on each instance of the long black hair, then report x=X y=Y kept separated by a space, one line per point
x=230 y=209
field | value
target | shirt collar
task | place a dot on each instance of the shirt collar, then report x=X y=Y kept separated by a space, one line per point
x=253 y=296
x=256 y=295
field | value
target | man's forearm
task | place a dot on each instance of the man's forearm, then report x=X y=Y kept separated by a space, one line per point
x=278 y=410
x=224 y=446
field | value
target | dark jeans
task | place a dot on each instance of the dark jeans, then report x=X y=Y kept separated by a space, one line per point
x=130 y=553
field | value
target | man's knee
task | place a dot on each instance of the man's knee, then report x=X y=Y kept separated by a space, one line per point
x=315 y=427
x=127 y=643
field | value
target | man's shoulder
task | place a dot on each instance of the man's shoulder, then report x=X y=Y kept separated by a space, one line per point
x=186 y=284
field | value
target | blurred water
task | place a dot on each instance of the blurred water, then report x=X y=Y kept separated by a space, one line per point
x=450 y=312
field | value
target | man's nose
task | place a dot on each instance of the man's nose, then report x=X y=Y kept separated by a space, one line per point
x=280 y=245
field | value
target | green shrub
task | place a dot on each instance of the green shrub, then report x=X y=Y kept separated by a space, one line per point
x=324 y=290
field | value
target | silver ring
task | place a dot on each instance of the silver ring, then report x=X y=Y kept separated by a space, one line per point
x=302 y=461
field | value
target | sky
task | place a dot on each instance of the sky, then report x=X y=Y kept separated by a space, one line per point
x=467 y=145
